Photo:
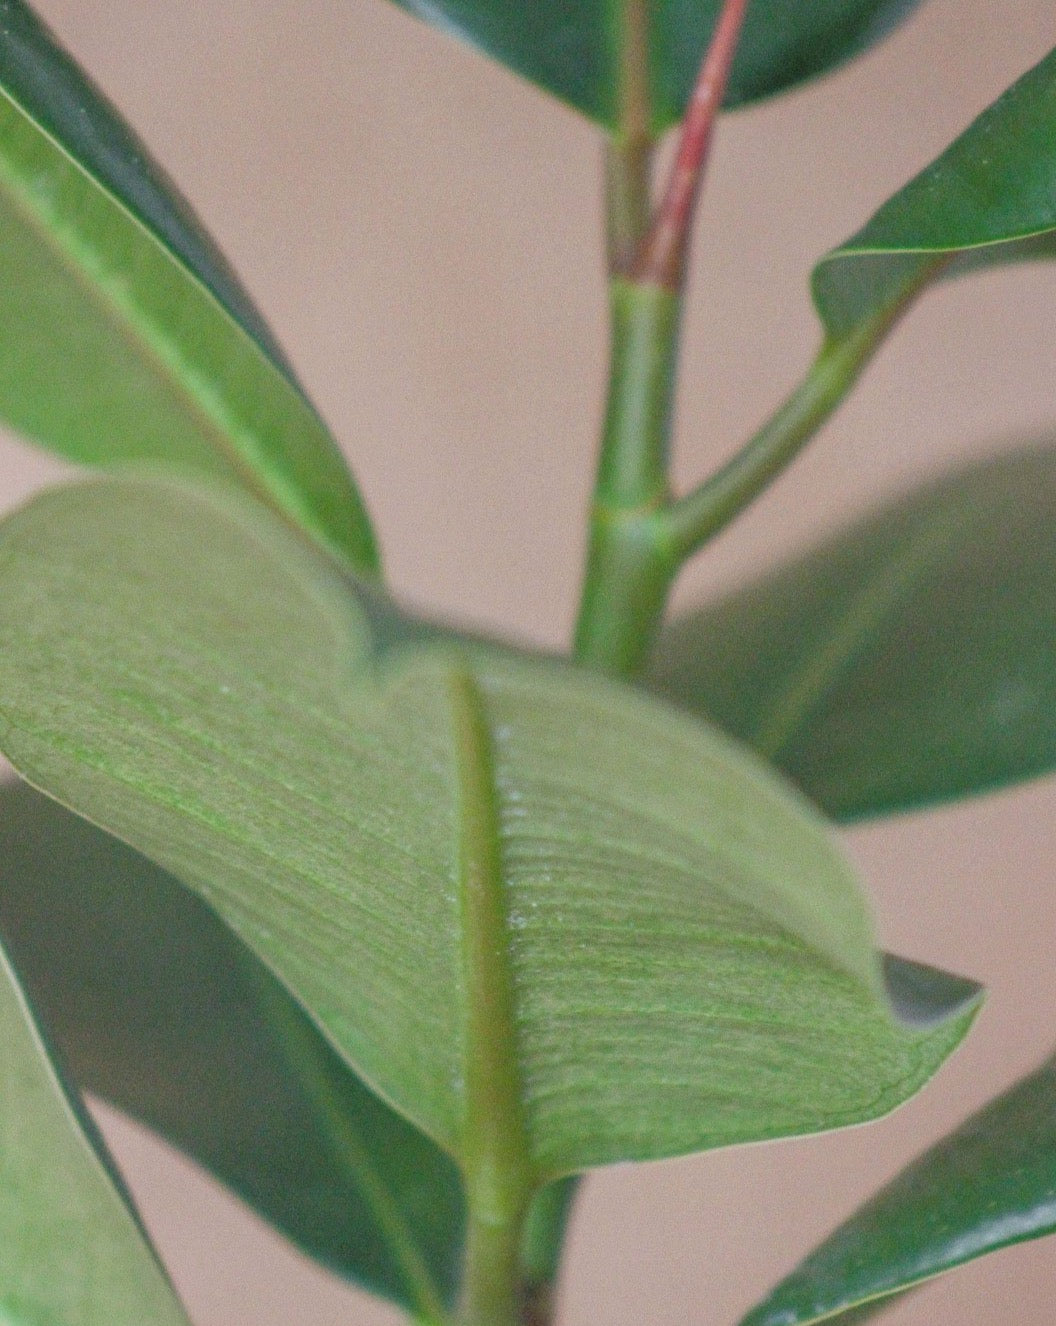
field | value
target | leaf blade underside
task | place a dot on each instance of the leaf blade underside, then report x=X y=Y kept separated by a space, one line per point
x=691 y=959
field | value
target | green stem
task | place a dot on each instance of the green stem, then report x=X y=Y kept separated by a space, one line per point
x=690 y=522
x=628 y=154
x=629 y=574
x=492 y=1294
x=628 y=202
x=694 y=519
x=701 y=515
x=629 y=561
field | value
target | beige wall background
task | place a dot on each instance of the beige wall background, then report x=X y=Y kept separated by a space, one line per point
x=423 y=232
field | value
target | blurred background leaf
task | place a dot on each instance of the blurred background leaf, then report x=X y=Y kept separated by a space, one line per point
x=160 y=1010
x=72 y=1250
x=908 y=660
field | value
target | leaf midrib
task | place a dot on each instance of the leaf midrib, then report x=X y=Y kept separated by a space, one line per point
x=495 y=1150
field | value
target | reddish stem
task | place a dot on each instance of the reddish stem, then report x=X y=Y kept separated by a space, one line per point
x=661 y=258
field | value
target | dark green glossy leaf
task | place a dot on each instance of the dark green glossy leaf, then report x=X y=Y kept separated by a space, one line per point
x=906 y=661
x=124 y=335
x=159 y=1009
x=544 y=1245
x=573 y=47
x=990 y=198
x=990 y=1184
x=688 y=957
x=72 y=1251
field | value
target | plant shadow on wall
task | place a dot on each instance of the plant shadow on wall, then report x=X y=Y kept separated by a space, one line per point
x=398 y=930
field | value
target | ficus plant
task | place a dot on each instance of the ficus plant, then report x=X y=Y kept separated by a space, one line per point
x=398 y=929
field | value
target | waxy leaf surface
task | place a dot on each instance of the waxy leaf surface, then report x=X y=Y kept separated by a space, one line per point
x=72 y=1251
x=123 y=334
x=684 y=957
x=156 y=1007
x=990 y=198
x=990 y=1184
x=906 y=661
x=574 y=48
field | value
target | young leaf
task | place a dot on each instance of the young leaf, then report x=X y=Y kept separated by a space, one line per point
x=989 y=198
x=906 y=661
x=125 y=336
x=159 y=1009
x=988 y=1185
x=678 y=954
x=72 y=1250
x=573 y=48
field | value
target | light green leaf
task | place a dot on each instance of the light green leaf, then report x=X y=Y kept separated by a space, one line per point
x=158 y=1008
x=988 y=1185
x=684 y=958
x=573 y=48
x=908 y=660
x=72 y=1251
x=989 y=198
x=123 y=334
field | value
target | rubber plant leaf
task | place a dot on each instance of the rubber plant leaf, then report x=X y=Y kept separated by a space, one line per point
x=72 y=1249
x=686 y=958
x=125 y=337
x=576 y=49
x=906 y=661
x=989 y=1184
x=990 y=198
x=156 y=1007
